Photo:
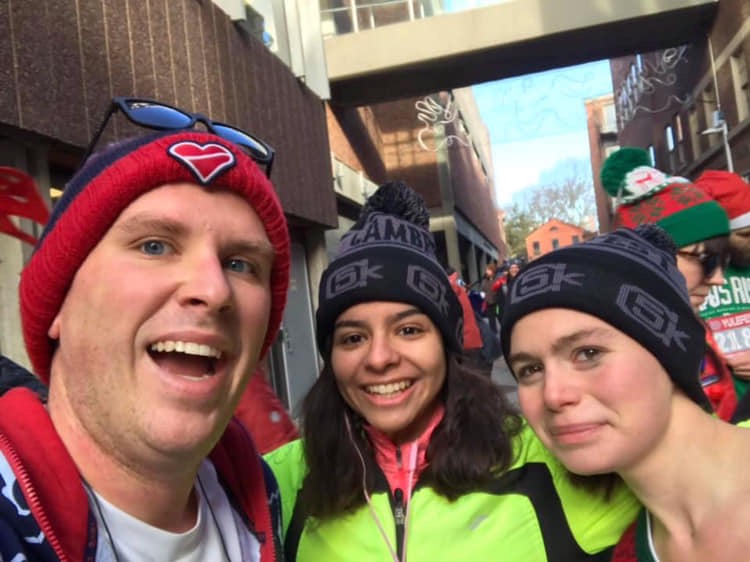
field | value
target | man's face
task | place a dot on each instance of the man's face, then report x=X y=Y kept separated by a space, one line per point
x=162 y=326
x=739 y=247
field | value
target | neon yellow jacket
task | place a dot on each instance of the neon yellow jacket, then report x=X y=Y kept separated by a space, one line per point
x=530 y=514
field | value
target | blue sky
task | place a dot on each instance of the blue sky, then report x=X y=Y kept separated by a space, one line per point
x=535 y=120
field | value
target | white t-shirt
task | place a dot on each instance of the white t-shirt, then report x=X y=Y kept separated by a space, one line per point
x=136 y=541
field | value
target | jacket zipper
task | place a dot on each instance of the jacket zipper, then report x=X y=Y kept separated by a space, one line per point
x=31 y=497
x=399 y=516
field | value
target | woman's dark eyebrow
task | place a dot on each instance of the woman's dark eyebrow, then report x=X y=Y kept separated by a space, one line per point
x=562 y=343
x=396 y=317
x=521 y=356
x=569 y=340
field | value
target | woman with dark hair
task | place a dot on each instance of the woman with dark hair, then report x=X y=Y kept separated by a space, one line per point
x=605 y=346
x=699 y=227
x=406 y=453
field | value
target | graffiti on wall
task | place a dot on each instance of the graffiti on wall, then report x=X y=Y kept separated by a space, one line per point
x=433 y=115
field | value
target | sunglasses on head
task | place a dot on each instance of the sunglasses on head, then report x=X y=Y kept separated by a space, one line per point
x=162 y=117
x=709 y=261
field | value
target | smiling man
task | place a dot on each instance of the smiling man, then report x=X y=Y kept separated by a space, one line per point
x=156 y=288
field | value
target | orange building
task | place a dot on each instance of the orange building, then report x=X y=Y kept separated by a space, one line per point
x=552 y=235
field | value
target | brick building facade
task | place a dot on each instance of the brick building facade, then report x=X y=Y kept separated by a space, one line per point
x=672 y=102
x=552 y=235
x=602 y=131
x=62 y=62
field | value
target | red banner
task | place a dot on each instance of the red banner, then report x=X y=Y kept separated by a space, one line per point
x=20 y=197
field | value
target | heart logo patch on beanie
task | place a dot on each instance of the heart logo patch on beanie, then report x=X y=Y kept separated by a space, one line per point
x=205 y=161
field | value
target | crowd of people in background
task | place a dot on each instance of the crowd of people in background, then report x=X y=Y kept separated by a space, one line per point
x=148 y=429
x=699 y=227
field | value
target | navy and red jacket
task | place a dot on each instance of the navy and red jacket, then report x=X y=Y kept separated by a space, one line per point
x=44 y=510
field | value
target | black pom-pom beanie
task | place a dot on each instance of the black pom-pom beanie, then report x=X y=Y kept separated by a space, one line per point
x=629 y=279
x=389 y=255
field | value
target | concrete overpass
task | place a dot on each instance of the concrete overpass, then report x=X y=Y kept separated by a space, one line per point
x=516 y=37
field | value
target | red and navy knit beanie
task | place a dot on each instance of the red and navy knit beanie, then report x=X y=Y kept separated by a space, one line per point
x=106 y=184
x=389 y=255
x=629 y=279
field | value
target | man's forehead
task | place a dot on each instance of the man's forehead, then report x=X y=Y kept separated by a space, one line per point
x=164 y=207
x=182 y=194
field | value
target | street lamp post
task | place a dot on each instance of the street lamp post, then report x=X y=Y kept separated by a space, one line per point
x=720 y=122
x=720 y=126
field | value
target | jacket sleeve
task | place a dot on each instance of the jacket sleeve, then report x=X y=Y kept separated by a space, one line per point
x=13 y=375
x=597 y=522
x=11 y=547
x=289 y=468
x=264 y=416
x=20 y=535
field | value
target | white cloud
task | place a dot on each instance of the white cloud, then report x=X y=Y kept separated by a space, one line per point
x=519 y=164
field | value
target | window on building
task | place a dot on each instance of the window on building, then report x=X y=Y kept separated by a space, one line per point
x=669 y=137
x=576 y=239
x=652 y=155
x=609 y=121
x=536 y=248
x=678 y=132
x=694 y=127
x=741 y=90
x=555 y=243
x=635 y=81
x=709 y=108
x=679 y=136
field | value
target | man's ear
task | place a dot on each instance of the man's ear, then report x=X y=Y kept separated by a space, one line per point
x=54 y=329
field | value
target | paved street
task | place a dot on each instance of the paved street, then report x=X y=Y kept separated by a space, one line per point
x=501 y=375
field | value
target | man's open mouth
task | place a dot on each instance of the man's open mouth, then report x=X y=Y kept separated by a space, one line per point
x=188 y=359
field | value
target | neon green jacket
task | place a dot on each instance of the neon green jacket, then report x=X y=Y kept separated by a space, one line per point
x=530 y=514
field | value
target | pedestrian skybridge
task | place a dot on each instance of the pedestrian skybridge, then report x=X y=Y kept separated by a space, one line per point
x=371 y=61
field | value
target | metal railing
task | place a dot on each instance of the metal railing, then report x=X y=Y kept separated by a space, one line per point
x=369 y=14
x=351 y=183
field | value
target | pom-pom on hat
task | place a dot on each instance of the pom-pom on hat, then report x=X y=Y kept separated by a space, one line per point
x=389 y=255
x=646 y=195
x=732 y=193
x=106 y=184
x=629 y=279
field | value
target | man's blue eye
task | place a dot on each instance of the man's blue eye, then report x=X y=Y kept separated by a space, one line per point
x=154 y=247
x=239 y=266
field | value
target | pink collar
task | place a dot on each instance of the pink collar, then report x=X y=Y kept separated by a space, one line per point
x=403 y=464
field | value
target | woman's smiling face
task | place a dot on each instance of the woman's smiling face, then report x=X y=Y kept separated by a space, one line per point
x=389 y=362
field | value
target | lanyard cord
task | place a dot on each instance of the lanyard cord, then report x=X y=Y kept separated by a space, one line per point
x=111 y=541
x=98 y=507
x=216 y=521
x=374 y=515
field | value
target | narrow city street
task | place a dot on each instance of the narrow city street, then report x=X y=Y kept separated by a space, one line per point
x=501 y=375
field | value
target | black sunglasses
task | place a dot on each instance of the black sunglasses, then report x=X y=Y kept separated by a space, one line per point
x=162 y=117
x=709 y=261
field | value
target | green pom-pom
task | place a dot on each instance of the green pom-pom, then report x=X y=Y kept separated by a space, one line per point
x=618 y=165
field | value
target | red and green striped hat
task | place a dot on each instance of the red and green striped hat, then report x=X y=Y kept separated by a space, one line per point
x=645 y=195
